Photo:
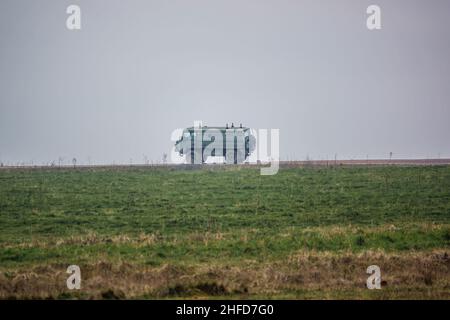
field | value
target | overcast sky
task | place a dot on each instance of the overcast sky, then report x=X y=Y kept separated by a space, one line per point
x=137 y=70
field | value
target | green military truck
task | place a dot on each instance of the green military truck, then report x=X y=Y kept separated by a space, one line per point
x=232 y=144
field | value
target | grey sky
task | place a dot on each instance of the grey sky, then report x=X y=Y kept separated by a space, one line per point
x=137 y=70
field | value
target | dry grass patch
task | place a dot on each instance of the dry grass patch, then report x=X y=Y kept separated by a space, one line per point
x=302 y=275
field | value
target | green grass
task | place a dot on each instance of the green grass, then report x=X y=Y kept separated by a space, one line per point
x=261 y=247
x=69 y=202
x=221 y=215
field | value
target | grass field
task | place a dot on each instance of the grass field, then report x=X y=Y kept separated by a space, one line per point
x=225 y=232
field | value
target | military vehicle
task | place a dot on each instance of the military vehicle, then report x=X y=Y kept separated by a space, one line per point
x=234 y=144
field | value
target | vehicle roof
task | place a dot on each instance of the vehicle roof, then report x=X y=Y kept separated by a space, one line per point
x=219 y=128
